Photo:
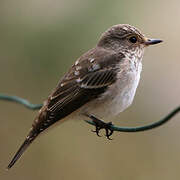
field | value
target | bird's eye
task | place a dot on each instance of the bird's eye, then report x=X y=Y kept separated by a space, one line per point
x=133 y=39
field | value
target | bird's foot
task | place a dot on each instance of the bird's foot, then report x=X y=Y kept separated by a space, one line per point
x=102 y=125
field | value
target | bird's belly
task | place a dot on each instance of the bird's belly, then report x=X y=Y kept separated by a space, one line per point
x=118 y=97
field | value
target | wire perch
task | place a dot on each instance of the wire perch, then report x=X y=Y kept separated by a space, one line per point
x=22 y=101
x=31 y=106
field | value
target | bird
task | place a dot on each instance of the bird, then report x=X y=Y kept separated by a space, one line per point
x=99 y=85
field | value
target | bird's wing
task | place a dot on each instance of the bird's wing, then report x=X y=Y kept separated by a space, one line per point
x=81 y=90
x=88 y=78
x=77 y=92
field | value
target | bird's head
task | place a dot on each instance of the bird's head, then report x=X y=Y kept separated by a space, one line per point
x=126 y=39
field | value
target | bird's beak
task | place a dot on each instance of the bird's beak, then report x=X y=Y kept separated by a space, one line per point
x=152 y=41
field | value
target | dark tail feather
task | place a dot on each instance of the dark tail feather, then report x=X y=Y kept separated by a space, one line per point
x=21 y=150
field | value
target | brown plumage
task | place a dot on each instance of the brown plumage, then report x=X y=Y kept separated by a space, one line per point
x=71 y=94
x=89 y=79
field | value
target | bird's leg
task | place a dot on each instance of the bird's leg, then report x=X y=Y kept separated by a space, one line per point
x=101 y=125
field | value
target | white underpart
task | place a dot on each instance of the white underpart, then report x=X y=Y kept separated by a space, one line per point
x=119 y=96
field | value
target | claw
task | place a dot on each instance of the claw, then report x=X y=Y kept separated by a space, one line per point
x=102 y=125
x=108 y=134
x=96 y=131
x=111 y=132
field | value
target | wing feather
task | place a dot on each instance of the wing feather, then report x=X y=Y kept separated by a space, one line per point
x=94 y=80
x=76 y=89
x=88 y=78
x=99 y=79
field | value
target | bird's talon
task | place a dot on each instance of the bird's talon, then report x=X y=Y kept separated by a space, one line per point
x=108 y=134
x=111 y=132
x=102 y=125
x=96 y=131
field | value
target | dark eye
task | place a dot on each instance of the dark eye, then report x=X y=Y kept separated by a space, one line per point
x=133 y=39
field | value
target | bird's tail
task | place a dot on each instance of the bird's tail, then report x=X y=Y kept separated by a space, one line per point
x=21 y=150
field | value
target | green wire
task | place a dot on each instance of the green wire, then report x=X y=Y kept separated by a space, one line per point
x=31 y=106
x=21 y=101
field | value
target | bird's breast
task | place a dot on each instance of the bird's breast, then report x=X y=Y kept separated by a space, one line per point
x=119 y=96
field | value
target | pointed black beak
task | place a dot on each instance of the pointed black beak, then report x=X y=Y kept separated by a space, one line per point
x=152 y=41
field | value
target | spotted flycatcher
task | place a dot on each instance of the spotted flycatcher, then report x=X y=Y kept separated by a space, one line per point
x=99 y=85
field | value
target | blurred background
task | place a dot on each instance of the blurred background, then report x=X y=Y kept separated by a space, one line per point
x=39 y=40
